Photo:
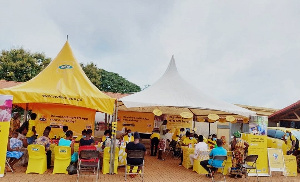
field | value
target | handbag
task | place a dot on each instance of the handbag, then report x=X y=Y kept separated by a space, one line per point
x=72 y=169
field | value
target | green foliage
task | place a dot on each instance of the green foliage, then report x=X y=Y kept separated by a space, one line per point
x=21 y=65
x=109 y=81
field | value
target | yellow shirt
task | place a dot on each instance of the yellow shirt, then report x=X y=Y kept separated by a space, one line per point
x=210 y=145
x=157 y=135
x=187 y=141
x=31 y=123
x=128 y=139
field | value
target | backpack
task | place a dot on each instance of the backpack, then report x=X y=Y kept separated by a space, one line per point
x=72 y=169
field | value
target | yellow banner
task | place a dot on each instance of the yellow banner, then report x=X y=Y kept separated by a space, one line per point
x=5 y=116
x=176 y=122
x=275 y=157
x=258 y=146
x=57 y=116
x=136 y=121
x=290 y=165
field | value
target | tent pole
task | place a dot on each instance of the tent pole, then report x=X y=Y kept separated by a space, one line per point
x=114 y=138
x=194 y=122
x=208 y=128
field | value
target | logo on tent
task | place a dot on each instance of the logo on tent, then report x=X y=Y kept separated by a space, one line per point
x=65 y=66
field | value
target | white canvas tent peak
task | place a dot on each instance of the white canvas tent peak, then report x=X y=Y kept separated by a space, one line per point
x=171 y=90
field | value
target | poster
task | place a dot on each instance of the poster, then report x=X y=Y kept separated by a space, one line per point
x=57 y=116
x=258 y=146
x=258 y=125
x=136 y=121
x=290 y=165
x=275 y=157
x=5 y=116
x=177 y=122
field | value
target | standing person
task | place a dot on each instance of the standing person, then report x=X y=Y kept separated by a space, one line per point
x=31 y=128
x=63 y=133
x=88 y=139
x=15 y=122
x=219 y=150
x=162 y=142
x=45 y=141
x=154 y=142
x=291 y=143
x=135 y=145
x=201 y=146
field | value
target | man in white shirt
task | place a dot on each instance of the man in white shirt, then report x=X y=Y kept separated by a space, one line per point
x=201 y=146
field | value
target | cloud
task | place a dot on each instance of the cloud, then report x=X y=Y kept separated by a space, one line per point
x=239 y=51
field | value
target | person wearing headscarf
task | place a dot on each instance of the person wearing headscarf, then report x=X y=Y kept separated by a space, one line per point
x=239 y=148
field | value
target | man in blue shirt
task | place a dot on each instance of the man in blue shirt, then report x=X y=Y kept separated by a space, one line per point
x=214 y=152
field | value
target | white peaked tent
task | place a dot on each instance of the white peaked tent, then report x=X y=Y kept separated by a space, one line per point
x=173 y=95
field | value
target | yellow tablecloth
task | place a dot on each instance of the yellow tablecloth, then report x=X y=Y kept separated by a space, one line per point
x=186 y=156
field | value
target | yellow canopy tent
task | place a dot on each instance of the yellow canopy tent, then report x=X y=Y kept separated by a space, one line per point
x=61 y=82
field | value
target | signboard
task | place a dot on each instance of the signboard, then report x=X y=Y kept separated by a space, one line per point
x=76 y=118
x=5 y=116
x=258 y=146
x=136 y=121
x=258 y=125
x=275 y=157
x=290 y=165
x=176 y=121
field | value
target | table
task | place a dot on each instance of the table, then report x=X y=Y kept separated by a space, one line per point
x=186 y=156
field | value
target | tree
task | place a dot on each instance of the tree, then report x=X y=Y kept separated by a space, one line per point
x=109 y=81
x=21 y=65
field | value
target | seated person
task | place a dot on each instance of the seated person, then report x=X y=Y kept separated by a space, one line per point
x=22 y=136
x=88 y=139
x=68 y=143
x=63 y=133
x=239 y=148
x=189 y=139
x=128 y=137
x=211 y=141
x=45 y=141
x=219 y=150
x=14 y=150
x=83 y=135
x=51 y=134
x=201 y=146
x=106 y=139
x=135 y=145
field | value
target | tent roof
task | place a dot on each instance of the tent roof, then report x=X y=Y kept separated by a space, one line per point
x=61 y=82
x=172 y=90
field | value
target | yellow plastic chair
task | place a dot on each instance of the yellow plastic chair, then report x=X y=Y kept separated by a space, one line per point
x=106 y=158
x=62 y=159
x=37 y=162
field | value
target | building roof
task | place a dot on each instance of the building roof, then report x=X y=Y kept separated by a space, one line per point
x=289 y=113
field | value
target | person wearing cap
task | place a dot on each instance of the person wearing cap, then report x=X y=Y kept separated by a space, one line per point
x=239 y=148
x=135 y=145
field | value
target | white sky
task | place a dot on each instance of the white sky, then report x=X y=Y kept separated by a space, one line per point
x=244 y=52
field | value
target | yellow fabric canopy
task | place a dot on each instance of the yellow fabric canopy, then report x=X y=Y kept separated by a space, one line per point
x=61 y=82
